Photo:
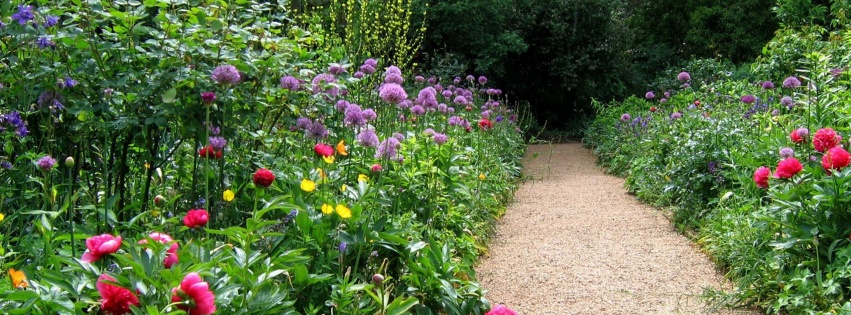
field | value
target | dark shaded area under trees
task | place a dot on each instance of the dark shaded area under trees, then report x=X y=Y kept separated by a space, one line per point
x=559 y=54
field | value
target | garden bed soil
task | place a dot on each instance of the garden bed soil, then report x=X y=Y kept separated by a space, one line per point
x=574 y=242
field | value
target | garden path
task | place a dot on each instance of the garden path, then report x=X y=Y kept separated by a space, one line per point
x=574 y=242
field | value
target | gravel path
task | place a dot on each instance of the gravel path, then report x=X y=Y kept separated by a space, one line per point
x=574 y=242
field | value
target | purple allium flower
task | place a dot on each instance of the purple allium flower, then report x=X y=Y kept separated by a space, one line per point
x=788 y=102
x=804 y=133
x=649 y=95
x=24 y=14
x=419 y=79
x=460 y=100
x=302 y=123
x=684 y=77
x=46 y=163
x=369 y=114
x=625 y=117
x=791 y=83
x=392 y=93
x=387 y=149
x=358 y=75
x=322 y=79
x=442 y=108
x=470 y=78
x=342 y=105
x=226 y=74
x=431 y=80
x=317 y=131
x=491 y=91
x=663 y=100
x=50 y=21
x=450 y=110
x=483 y=80
x=44 y=42
x=454 y=121
x=215 y=130
x=371 y=62
x=368 y=138
x=787 y=153
x=457 y=80
x=336 y=69
x=775 y=112
x=354 y=117
x=290 y=83
x=405 y=104
x=748 y=99
x=667 y=94
x=393 y=78
x=399 y=136
x=428 y=132
x=676 y=115
x=218 y=143
x=367 y=69
x=486 y=114
x=447 y=94
x=427 y=97
x=393 y=70
x=417 y=110
x=208 y=98
x=767 y=85
x=440 y=138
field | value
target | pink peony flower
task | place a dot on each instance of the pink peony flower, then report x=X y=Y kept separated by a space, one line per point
x=788 y=168
x=196 y=218
x=263 y=178
x=100 y=245
x=501 y=310
x=171 y=253
x=825 y=138
x=115 y=300
x=195 y=296
x=760 y=177
x=323 y=150
x=835 y=159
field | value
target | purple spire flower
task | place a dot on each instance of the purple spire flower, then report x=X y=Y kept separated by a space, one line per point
x=649 y=95
x=684 y=77
x=45 y=42
x=317 y=131
x=748 y=99
x=368 y=138
x=791 y=83
x=218 y=143
x=483 y=80
x=440 y=138
x=767 y=85
x=50 y=21
x=46 y=163
x=290 y=83
x=392 y=93
x=226 y=74
x=24 y=14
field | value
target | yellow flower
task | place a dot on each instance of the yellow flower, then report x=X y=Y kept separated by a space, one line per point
x=344 y=211
x=155 y=213
x=328 y=159
x=341 y=148
x=482 y=176
x=343 y=188
x=2 y=216
x=363 y=178
x=327 y=209
x=228 y=195
x=19 y=279
x=308 y=185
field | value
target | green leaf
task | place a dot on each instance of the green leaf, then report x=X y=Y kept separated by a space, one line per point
x=170 y=95
x=401 y=305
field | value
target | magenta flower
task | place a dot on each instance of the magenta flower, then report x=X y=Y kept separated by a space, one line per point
x=392 y=93
x=46 y=163
x=99 y=246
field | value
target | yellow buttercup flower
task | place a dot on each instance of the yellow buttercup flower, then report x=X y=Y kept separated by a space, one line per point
x=341 y=148
x=155 y=213
x=19 y=279
x=344 y=211
x=2 y=216
x=308 y=185
x=228 y=195
x=482 y=176
x=328 y=159
x=327 y=209
x=363 y=178
x=343 y=188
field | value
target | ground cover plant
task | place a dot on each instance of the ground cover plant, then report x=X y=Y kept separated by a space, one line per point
x=166 y=157
x=754 y=160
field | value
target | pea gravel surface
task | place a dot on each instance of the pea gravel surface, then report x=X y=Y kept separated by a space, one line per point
x=575 y=242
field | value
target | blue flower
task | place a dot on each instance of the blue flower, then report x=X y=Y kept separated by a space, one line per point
x=69 y=83
x=24 y=14
x=343 y=246
x=50 y=21
x=44 y=42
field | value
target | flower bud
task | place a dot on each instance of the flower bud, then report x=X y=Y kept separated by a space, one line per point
x=69 y=162
x=159 y=201
x=377 y=278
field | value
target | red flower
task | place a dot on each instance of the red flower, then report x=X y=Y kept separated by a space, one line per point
x=100 y=245
x=209 y=152
x=652 y=109
x=788 y=168
x=760 y=177
x=376 y=168
x=115 y=300
x=501 y=310
x=835 y=159
x=324 y=150
x=195 y=296
x=171 y=253
x=825 y=139
x=196 y=218
x=263 y=178
x=485 y=124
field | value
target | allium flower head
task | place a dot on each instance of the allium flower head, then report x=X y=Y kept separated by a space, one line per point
x=290 y=83
x=226 y=74
x=368 y=138
x=208 y=98
x=46 y=163
x=418 y=110
x=369 y=114
x=767 y=85
x=393 y=78
x=99 y=246
x=387 y=149
x=799 y=135
x=676 y=115
x=835 y=159
x=194 y=296
x=196 y=218
x=114 y=300
x=825 y=139
x=392 y=93
x=760 y=176
x=460 y=100
x=787 y=153
x=358 y=75
x=440 y=138
x=24 y=14
x=684 y=77
x=371 y=62
x=626 y=117
x=317 y=131
x=263 y=178
x=788 y=102
x=649 y=95
x=393 y=70
x=336 y=69
x=367 y=69
x=419 y=79
x=791 y=83
x=218 y=143
x=483 y=80
x=748 y=99
x=788 y=167
x=302 y=123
